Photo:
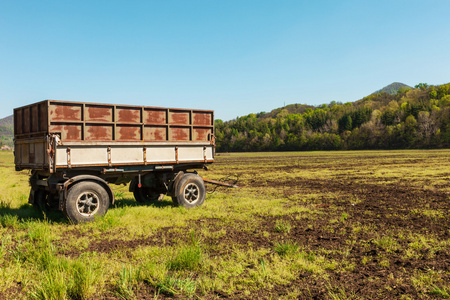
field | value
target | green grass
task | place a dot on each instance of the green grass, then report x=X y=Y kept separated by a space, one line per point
x=286 y=248
x=301 y=225
x=175 y=286
x=282 y=226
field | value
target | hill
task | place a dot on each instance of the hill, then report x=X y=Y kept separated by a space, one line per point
x=7 y=126
x=7 y=131
x=393 y=88
x=288 y=109
x=409 y=118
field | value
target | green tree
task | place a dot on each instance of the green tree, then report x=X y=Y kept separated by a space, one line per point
x=345 y=123
x=422 y=86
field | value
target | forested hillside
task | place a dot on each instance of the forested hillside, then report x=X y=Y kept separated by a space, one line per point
x=411 y=118
x=6 y=131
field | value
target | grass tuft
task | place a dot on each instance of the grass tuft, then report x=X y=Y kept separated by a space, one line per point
x=286 y=248
x=84 y=277
x=282 y=226
x=173 y=286
x=8 y=220
x=52 y=286
x=125 y=284
x=339 y=293
x=186 y=258
x=442 y=292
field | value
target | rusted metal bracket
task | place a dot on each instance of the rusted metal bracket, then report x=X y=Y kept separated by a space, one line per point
x=204 y=154
x=69 y=164
x=216 y=182
x=109 y=156
x=145 y=155
x=53 y=141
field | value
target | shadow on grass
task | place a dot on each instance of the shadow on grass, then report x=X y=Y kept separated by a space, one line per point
x=130 y=202
x=28 y=213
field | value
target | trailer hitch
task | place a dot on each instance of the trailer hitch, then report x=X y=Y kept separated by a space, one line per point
x=216 y=182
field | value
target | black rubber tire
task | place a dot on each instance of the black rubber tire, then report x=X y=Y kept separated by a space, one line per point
x=40 y=200
x=146 y=195
x=190 y=191
x=86 y=200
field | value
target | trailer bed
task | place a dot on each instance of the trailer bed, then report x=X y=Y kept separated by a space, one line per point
x=51 y=135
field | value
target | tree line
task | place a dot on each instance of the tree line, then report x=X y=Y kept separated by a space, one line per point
x=411 y=118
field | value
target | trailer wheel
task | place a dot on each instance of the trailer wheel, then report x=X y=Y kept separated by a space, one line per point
x=190 y=191
x=40 y=200
x=146 y=195
x=85 y=201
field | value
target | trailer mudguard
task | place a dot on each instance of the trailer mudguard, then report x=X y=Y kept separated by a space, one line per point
x=79 y=178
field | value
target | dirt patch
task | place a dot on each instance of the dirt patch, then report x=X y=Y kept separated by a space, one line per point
x=163 y=237
x=13 y=292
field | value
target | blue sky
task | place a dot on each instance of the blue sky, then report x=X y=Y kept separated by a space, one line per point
x=235 y=57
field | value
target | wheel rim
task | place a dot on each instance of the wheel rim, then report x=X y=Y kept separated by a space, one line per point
x=191 y=193
x=88 y=204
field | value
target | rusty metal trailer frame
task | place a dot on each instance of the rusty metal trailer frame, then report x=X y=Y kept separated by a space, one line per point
x=77 y=144
x=54 y=134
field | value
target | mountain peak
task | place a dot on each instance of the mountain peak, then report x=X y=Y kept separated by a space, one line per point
x=393 y=88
